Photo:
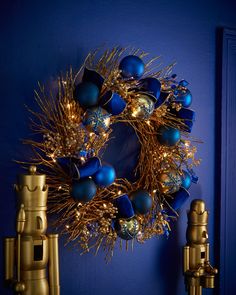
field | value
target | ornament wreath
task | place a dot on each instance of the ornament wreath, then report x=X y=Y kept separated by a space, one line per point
x=92 y=206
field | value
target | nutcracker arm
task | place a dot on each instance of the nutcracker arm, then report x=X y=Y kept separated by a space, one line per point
x=53 y=265
x=186 y=259
x=9 y=254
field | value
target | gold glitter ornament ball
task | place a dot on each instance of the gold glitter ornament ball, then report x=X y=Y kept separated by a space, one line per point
x=96 y=120
x=127 y=229
x=169 y=181
x=142 y=106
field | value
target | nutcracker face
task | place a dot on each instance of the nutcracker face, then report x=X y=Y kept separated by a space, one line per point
x=197 y=234
x=36 y=222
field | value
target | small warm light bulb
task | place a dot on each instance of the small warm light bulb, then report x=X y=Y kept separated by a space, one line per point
x=148 y=122
x=104 y=205
x=119 y=192
x=72 y=117
x=164 y=155
x=91 y=134
x=60 y=187
x=154 y=191
x=67 y=226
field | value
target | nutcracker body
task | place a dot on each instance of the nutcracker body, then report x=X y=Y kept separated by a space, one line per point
x=197 y=269
x=33 y=254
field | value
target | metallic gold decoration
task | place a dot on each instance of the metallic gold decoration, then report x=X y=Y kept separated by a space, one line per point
x=142 y=106
x=198 y=271
x=169 y=181
x=34 y=248
x=127 y=229
x=59 y=121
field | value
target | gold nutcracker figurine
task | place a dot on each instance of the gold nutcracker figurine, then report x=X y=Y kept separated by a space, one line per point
x=32 y=248
x=197 y=269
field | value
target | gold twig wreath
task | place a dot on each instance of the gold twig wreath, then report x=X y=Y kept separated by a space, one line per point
x=92 y=206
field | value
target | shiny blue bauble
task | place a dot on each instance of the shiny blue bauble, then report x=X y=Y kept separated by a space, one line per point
x=87 y=94
x=105 y=176
x=83 y=190
x=186 y=180
x=168 y=136
x=184 y=97
x=142 y=201
x=131 y=66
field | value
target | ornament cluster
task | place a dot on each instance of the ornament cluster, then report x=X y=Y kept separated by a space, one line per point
x=93 y=204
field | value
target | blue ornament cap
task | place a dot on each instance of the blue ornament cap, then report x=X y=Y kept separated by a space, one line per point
x=151 y=86
x=113 y=103
x=168 y=136
x=179 y=198
x=105 y=176
x=132 y=67
x=89 y=168
x=83 y=190
x=188 y=117
x=184 y=97
x=186 y=180
x=142 y=201
x=93 y=77
x=124 y=206
x=87 y=93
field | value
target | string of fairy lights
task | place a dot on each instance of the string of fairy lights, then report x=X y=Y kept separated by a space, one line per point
x=93 y=207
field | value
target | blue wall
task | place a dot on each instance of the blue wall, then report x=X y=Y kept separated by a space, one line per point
x=41 y=38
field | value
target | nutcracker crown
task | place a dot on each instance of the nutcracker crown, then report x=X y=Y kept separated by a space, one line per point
x=197 y=215
x=31 y=189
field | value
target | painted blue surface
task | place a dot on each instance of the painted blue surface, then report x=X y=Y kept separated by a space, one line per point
x=40 y=39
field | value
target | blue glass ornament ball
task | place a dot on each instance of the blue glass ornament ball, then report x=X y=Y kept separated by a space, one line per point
x=186 y=180
x=105 y=176
x=83 y=190
x=141 y=201
x=87 y=94
x=131 y=66
x=168 y=136
x=185 y=98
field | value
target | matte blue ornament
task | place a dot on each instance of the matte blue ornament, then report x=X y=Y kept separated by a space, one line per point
x=105 y=176
x=131 y=66
x=124 y=206
x=184 y=97
x=113 y=103
x=87 y=94
x=93 y=77
x=96 y=120
x=83 y=190
x=168 y=136
x=186 y=180
x=142 y=201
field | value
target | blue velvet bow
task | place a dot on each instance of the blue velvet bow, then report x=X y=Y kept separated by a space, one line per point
x=124 y=206
x=76 y=170
x=112 y=102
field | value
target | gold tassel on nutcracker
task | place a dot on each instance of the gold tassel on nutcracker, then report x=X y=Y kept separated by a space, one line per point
x=32 y=251
x=198 y=271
